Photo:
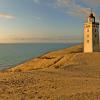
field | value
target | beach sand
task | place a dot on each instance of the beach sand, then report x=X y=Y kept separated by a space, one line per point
x=67 y=74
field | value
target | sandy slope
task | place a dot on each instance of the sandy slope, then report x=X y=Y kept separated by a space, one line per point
x=46 y=85
x=66 y=74
x=53 y=59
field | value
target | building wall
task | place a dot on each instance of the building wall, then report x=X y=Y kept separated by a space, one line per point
x=91 y=37
x=88 y=39
x=95 y=31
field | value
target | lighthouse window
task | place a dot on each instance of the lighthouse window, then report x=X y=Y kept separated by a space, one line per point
x=87 y=41
x=87 y=30
x=87 y=35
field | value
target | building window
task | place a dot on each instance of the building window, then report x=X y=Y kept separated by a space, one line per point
x=87 y=30
x=87 y=35
x=87 y=41
x=95 y=35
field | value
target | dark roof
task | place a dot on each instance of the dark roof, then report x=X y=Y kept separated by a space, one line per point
x=91 y=15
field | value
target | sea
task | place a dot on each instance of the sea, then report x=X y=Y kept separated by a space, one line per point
x=17 y=53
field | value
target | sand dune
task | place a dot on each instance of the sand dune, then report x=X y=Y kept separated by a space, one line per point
x=66 y=74
x=53 y=59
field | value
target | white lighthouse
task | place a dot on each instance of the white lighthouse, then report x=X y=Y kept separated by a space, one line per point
x=91 y=35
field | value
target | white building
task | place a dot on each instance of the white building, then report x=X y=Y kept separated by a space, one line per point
x=91 y=35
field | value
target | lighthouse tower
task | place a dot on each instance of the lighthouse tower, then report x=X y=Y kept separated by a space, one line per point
x=91 y=35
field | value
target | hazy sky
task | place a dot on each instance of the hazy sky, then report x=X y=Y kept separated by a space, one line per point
x=44 y=20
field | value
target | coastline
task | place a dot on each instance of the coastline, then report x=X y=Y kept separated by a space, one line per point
x=71 y=75
x=48 y=56
x=20 y=53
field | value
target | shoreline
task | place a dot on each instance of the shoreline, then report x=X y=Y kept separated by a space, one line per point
x=13 y=65
x=66 y=74
x=43 y=56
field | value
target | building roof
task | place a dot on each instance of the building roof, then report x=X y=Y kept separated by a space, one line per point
x=91 y=15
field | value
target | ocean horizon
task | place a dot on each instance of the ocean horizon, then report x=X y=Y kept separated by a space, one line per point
x=13 y=54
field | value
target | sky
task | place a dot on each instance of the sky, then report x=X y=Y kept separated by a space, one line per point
x=25 y=21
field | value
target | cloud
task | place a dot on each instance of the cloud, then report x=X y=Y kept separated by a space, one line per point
x=36 y=1
x=76 y=8
x=79 y=11
x=79 y=8
x=6 y=16
x=92 y=3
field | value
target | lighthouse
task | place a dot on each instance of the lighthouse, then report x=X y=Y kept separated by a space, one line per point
x=91 y=35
